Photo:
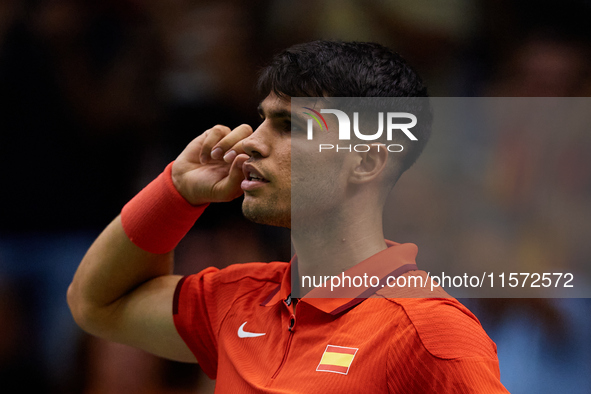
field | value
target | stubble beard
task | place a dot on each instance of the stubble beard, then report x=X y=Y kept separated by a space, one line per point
x=271 y=212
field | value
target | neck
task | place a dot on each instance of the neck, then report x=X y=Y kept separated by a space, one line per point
x=330 y=247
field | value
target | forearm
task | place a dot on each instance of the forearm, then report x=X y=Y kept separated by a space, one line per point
x=112 y=268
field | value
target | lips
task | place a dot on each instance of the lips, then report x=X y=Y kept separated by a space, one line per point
x=253 y=178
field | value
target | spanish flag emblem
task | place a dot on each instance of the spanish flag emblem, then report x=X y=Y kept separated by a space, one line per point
x=337 y=359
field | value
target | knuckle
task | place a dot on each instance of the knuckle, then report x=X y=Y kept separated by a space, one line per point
x=246 y=128
x=220 y=129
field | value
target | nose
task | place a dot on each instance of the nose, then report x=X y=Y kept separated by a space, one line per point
x=258 y=144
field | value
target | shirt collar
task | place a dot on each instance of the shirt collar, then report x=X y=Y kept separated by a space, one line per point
x=395 y=260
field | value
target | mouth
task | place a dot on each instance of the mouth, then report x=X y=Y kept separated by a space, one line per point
x=253 y=178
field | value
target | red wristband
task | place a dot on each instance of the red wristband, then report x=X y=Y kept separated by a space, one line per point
x=158 y=217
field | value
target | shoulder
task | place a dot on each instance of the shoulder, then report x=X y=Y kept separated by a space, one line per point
x=445 y=328
x=258 y=272
x=246 y=276
x=215 y=290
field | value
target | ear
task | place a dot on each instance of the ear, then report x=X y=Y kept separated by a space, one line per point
x=369 y=165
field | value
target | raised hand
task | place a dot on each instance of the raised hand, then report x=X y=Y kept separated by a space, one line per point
x=210 y=167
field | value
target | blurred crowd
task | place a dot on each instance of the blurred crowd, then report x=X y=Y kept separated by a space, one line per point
x=97 y=97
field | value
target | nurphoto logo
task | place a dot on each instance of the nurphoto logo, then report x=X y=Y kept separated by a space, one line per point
x=392 y=125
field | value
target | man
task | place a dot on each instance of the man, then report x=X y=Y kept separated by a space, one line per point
x=241 y=323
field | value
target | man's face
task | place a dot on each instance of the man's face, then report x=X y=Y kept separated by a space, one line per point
x=318 y=184
x=267 y=188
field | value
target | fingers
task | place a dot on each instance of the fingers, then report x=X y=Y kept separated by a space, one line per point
x=229 y=187
x=231 y=146
x=211 y=138
x=228 y=146
x=199 y=173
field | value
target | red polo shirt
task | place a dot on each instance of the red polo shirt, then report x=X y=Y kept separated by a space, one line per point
x=240 y=325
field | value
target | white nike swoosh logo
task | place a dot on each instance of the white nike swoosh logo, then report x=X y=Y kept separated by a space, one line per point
x=246 y=334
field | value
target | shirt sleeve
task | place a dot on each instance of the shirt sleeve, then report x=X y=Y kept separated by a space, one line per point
x=425 y=373
x=442 y=349
x=203 y=300
x=196 y=317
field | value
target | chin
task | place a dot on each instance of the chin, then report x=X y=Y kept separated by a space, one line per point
x=269 y=214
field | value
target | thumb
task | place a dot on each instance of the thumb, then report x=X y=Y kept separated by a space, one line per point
x=236 y=176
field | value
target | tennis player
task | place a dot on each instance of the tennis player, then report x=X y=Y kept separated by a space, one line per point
x=241 y=323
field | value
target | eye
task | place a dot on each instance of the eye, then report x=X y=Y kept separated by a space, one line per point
x=260 y=113
x=287 y=126
x=294 y=127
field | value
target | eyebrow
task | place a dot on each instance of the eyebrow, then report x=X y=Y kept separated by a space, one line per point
x=278 y=114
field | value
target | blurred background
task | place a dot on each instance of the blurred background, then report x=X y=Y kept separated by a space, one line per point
x=97 y=97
